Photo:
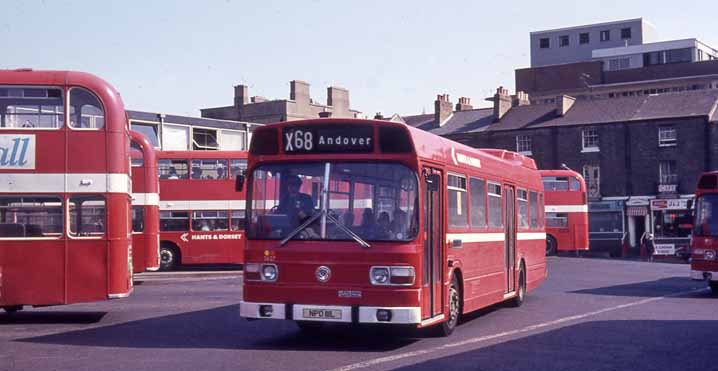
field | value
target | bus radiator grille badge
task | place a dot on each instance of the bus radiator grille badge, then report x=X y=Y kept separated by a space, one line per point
x=323 y=273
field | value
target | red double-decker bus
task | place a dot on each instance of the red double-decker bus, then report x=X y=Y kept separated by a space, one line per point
x=64 y=190
x=566 y=211
x=201 y=216
x=704 y=241
x=145 y=205
x=361 y=221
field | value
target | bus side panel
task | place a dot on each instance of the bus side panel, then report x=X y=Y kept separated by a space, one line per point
x=139 y=252
x=482 y=267
x=32 y=272
x=86 y=270
x=118 y=262
x=90 y=142
x=534 y=254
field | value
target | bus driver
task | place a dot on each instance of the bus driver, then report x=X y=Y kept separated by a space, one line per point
x=298 y=206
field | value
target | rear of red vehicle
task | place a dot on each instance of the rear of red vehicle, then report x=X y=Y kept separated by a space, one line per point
x=145 y=205
x=566 y=211
x=704 y=242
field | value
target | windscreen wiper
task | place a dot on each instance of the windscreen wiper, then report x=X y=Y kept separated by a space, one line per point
x=301 y=227
x=348 y=231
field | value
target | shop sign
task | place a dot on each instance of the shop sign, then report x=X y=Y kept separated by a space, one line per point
x=665 y=249
x=669 y=204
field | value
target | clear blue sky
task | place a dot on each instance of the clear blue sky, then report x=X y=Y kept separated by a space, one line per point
x=393 y=56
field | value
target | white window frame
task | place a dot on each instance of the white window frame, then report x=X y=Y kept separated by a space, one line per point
x=463 y=209
x=522 y=143
x=592 y=148
x=664 y=140
x=672 y=176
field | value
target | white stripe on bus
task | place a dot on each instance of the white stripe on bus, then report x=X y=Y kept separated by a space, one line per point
x=64 y=183
x=493 y=237
x=145 y=199
x=202 y=205
x=566 y=208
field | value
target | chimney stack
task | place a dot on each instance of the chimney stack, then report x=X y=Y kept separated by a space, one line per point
x=299 y=92
x=325 y=114
x=338 y=99
x=442 y=109
x=464 y=104
x=564 y=104
x=521 y=99
x=241 y=96
x=502 y=103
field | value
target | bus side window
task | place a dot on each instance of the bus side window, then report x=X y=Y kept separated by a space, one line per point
x=86 y=111
x=575 y=185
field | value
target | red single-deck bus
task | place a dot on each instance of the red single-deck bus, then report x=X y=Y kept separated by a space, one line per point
x=566 y=211
x=704 y=241
x=201 y=216
x=361 y=221
x=145 y=205
x=64 y=190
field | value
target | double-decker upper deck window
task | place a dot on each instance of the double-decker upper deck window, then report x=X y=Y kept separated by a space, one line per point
x=31 y=107
x=495 y=218
x=86 y=111
x=523 y=201
x=478 y=202
x=87 y=216
x=457 y=201
x=209 y=169
x=173 y=169
x=237 y=167
x=30 y=216
x=667 y=136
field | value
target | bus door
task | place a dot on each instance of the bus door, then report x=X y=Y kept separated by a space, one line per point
x=433 y=267
x=510 y=238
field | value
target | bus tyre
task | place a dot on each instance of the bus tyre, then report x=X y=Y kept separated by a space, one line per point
x=714 y=287
x=12 y=309
x=168 y=257
x=448 y=326
x=551 y=246
x=521 y=292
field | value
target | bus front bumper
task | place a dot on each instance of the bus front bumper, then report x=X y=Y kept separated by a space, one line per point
x=331 y=313
x=704 y=275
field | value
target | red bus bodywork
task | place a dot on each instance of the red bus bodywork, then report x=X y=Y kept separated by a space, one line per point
x=65 y=210
x=145 y=205
x=185 y=197
x=333 y=277
x=704 y=241
x=566 y=211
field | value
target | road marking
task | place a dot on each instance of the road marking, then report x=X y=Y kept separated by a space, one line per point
x=480 y=339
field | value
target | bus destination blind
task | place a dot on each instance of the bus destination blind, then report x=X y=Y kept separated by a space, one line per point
x=335 y=138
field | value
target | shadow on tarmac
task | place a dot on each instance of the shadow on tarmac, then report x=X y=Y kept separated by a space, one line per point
x=598 y=345
x=44 y=317
x=222 y=328
x=651 y=289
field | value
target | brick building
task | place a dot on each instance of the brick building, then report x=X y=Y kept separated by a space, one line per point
x=299 y=106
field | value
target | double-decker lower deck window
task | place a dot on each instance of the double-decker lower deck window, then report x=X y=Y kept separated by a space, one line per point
x=87 y=216
x=239 y=220
x=237 y=167
x=495 y=217
x=556 y=220
x=374 y=201
x=174 y=221
x=523 y=202
x=457 y=201
x=210 y=220
x=138 y=219
x=30 y=216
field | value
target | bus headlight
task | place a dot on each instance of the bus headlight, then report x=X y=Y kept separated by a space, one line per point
x=269 y=272
x=379 y=275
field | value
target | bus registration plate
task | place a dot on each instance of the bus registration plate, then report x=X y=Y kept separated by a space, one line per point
x=322 y=313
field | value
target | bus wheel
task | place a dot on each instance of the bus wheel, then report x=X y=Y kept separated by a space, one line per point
x=168 y=257
x=12 y=309
x=521 y=294
x=551 y=247
x=448 y=326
